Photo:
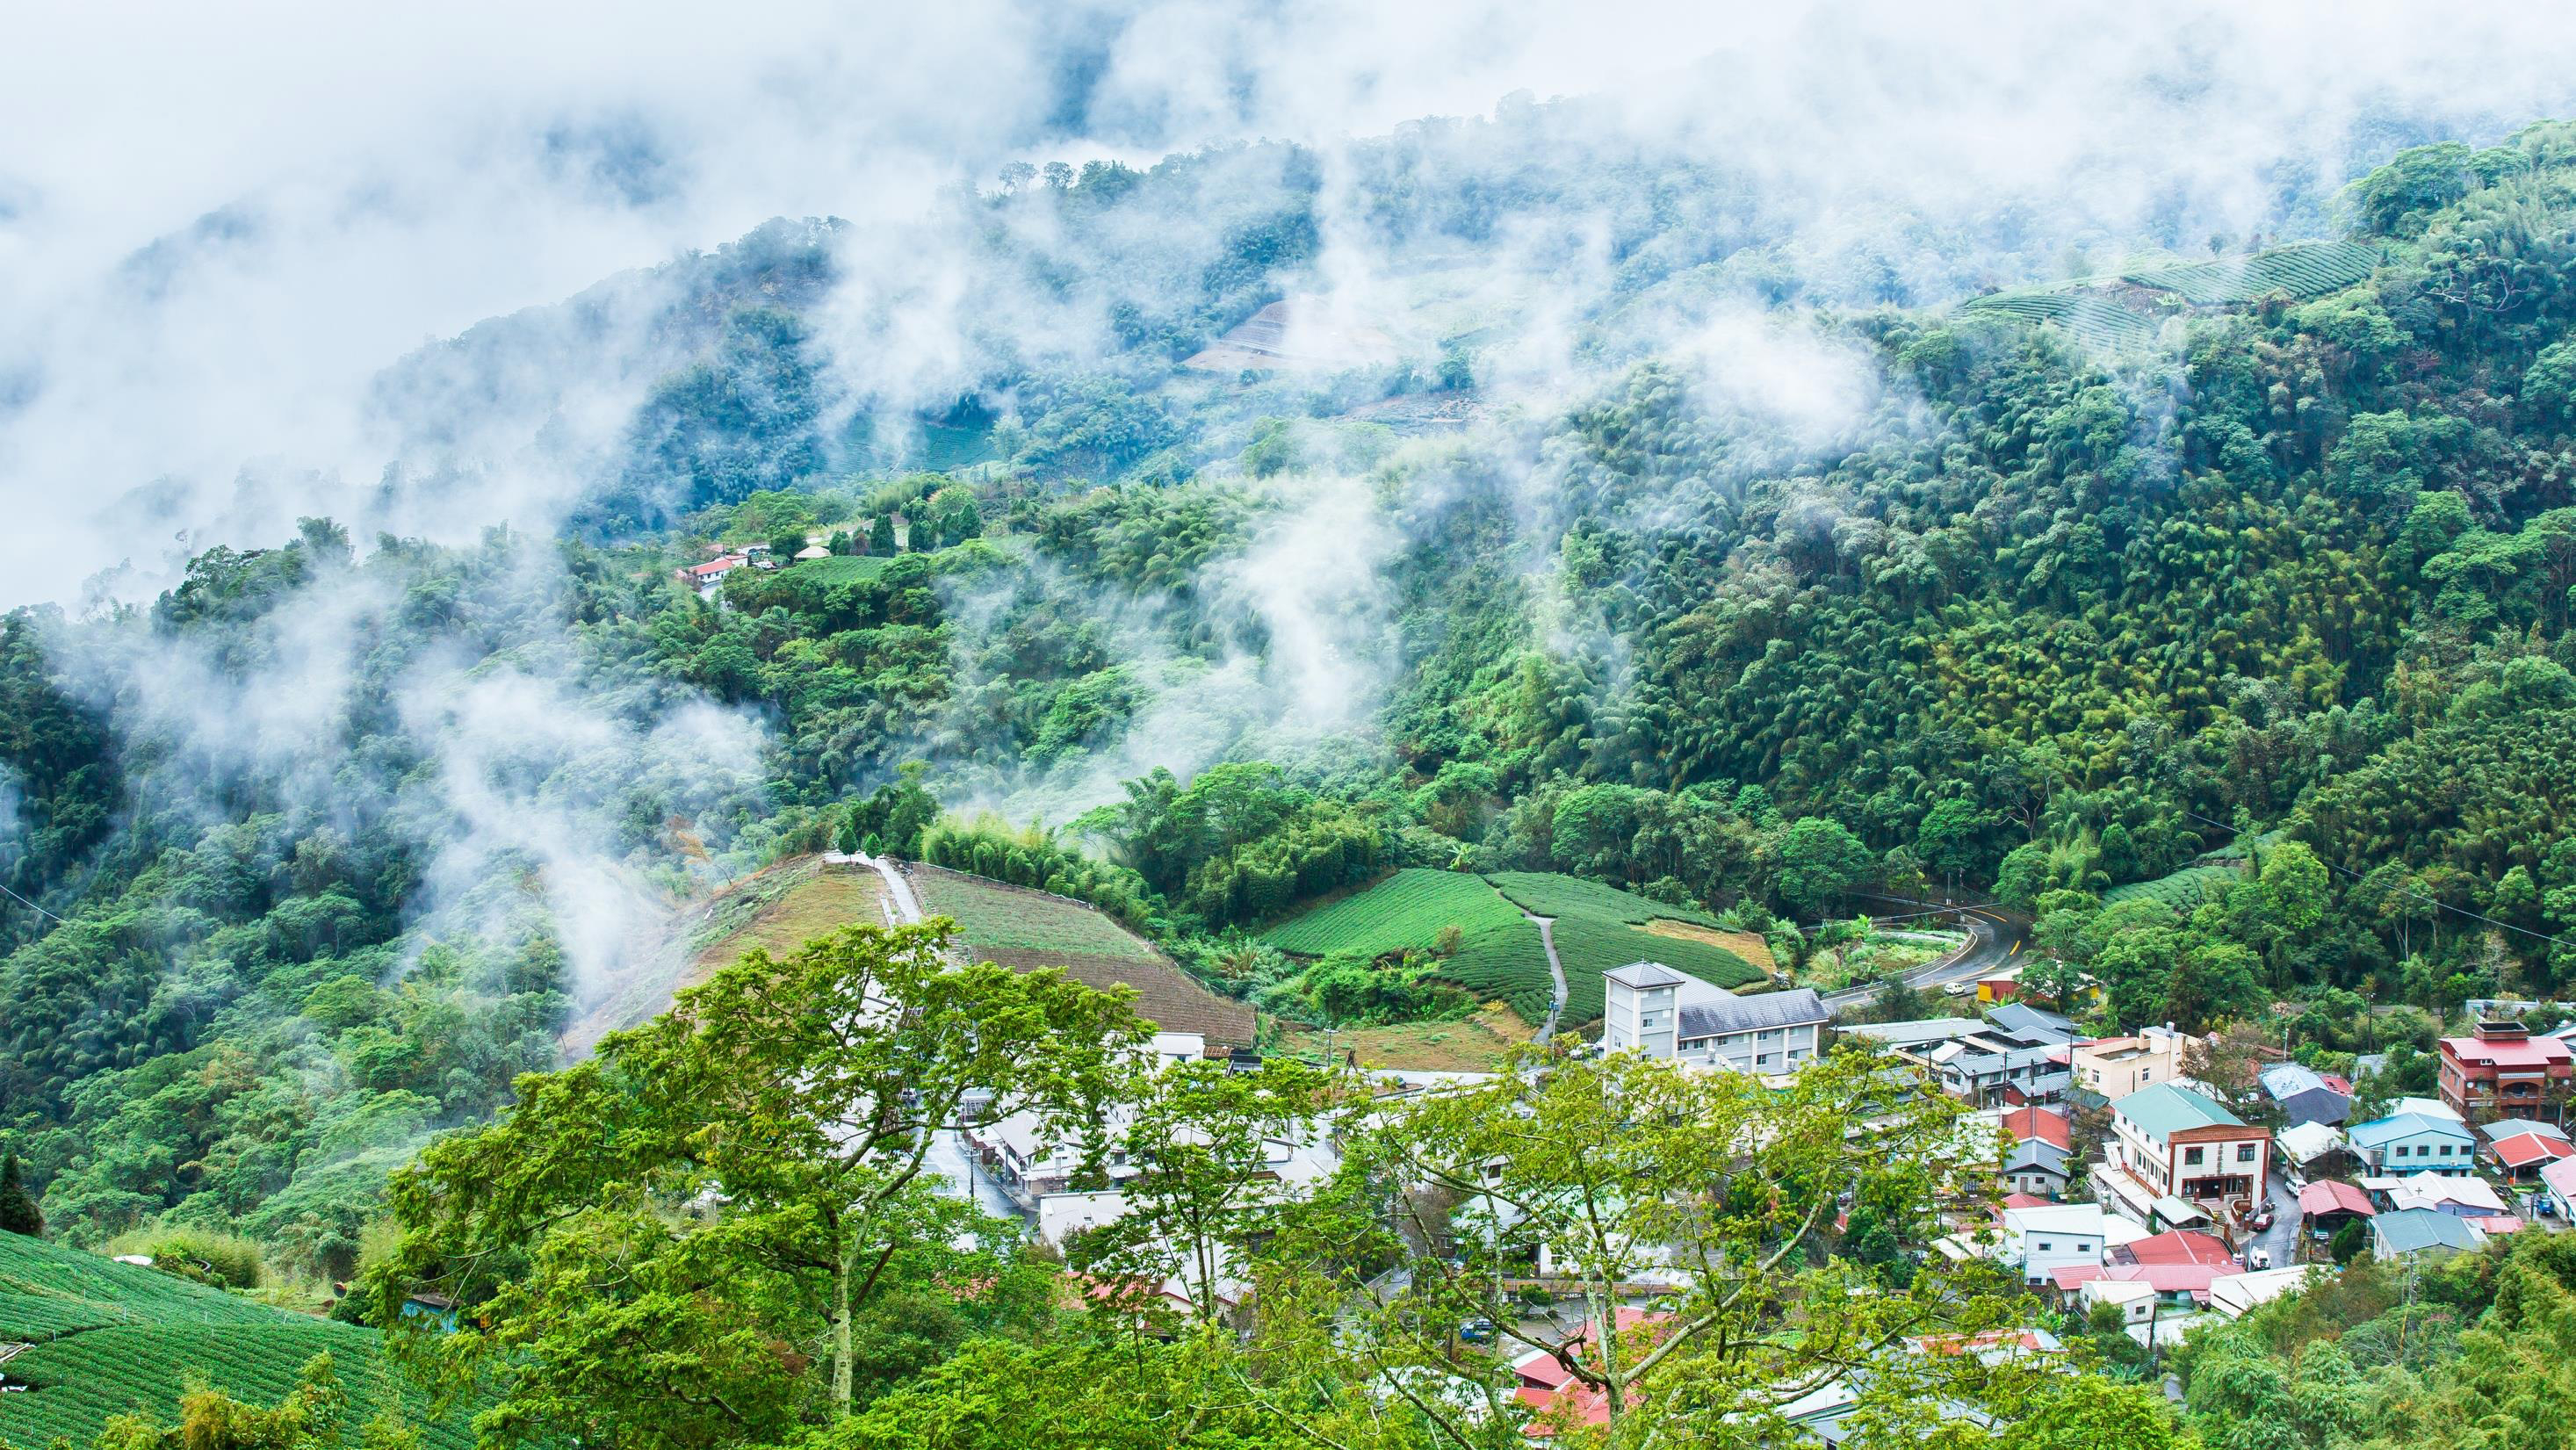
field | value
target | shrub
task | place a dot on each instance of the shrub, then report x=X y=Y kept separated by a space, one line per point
x=207 y=1256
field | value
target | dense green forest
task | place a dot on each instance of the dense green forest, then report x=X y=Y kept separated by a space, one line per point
x=2261 y=608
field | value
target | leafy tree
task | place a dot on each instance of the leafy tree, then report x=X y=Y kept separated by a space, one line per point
x=657 y=1241
x=1619 y=1166
x=1204 y=1143
x=1820 y=861
x=1954 y=837
x=18 y=1211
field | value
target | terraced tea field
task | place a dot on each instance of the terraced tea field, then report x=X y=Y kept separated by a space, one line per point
x=1600 y=927
x=2183 y=890
x=994 y=916
x=1027 y=930
x=2308 y=269
x=839 y=569
x=107 y=1339
x=1501 y=956
x=2097 y=321
x=2088 y=308
x=1406 y=911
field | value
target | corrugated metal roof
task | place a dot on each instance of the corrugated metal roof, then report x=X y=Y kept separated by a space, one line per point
x=2382 y=1131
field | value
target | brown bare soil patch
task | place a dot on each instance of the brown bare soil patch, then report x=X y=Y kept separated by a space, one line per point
x=1743 y=943
x=1474 y=1043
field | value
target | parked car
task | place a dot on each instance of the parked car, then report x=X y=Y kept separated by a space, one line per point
x=2258 y=1257
x=2261 y=1220
x=2548 y=1207
x=1477 y=1331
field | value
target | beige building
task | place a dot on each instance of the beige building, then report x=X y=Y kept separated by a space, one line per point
x=2115 y=1067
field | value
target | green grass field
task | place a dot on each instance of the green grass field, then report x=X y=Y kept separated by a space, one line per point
x=992 y=916
x=108 y=1339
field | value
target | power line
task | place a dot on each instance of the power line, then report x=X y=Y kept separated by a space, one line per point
x=31 y=906
x=2401 y=891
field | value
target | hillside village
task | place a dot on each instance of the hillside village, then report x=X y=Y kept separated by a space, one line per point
x=2127 y=1188
x=1546 y=778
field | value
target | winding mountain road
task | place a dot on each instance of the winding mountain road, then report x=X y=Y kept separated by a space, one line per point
x=1994 y=939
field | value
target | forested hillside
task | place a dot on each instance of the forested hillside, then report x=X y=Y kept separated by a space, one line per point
x=2251 y=564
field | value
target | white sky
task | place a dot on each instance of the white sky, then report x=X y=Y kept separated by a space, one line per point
x=393 y=155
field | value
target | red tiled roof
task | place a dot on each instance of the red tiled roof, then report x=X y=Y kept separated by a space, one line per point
x=2192 y=1279
x=2498 y=1224
x=2328 y=1196
x=2340 y=1084
x=2025 y=1200
x=2045 y=1124
x=1581 y=1404
x=716 y=566
x=2181 y=1246
x=2524 y=1149
x=2537 y=1052
x=1990 y=1339
x=1547 y=1385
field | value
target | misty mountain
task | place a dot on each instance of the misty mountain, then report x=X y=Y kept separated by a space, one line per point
x=2161 y=528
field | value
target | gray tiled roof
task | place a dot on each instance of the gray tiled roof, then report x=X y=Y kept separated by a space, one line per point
x=1645 y=974
x=1750 y=1014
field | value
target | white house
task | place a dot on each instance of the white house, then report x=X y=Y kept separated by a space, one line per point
x=1650 y=1008
x=2173 y=1148
x=2053 y=1236
x=2403 y=1143
x=2558 y=1187
x=2236 y=1294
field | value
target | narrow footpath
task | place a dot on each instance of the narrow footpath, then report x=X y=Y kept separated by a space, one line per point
x=1556 y=1009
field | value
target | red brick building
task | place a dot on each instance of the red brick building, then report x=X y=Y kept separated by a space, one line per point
x=2502 y=1071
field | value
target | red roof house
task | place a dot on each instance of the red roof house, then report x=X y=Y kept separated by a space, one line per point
x=2523 y=1155
x=2180 y=1246
x=2327 y=1197
x=2501 y=1071
x=1551 y=1389
x=2048 y=1125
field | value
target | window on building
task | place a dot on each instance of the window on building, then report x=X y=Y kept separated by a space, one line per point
x=2045 y=1246
x=2244 y=1152
x=2191 y=1157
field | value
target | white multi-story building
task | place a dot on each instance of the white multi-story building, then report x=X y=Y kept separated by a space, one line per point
x=2172 y=1148
x=2053 y=1236
x=1651 y=1008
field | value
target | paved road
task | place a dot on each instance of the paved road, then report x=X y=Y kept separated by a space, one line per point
x=1994 y=938
x=950 y=1157
x=900 y=903
x=1555 y=1009
x=2282 y=1238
